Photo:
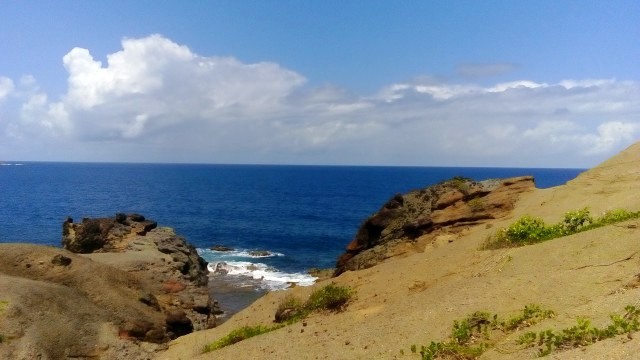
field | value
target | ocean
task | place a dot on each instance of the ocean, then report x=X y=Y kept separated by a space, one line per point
x=303 y=216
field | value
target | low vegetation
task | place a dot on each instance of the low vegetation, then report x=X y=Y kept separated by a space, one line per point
x=331 y=297
x=476 y=333
x=238 y=335
x=582 y=334
x=481 y=331
x=530 y=230
x=459 y=182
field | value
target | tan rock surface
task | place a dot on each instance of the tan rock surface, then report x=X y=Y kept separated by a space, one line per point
x=123 y=304
x=415 y=299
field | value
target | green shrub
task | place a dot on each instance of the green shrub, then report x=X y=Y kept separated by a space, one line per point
x=238 y=335
x=574 y=221
x=331 y=297
x=530 y=230
x=527 y=228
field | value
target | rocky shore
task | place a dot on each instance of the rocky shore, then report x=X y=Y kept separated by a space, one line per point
x=418 y=267
x=121 y=287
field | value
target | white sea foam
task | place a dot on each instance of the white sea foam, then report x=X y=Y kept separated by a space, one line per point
x=237 y=253
x=238 y=266
x=268 y=278
x=10 y=164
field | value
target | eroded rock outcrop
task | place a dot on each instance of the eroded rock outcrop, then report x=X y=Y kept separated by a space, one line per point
x=421 y=216
x=177 y=275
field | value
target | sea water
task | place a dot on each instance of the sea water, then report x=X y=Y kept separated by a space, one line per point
x=302 y=216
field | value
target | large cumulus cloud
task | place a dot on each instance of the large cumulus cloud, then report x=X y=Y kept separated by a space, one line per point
x=168 y=103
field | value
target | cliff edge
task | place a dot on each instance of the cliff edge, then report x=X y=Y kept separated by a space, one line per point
x=442 y=212
x=126 y=289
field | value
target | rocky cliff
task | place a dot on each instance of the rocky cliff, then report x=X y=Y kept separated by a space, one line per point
x=121 y=288
x=442 y=212
x=180 y=276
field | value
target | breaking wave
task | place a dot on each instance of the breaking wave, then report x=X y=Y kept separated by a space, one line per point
x=236 y=266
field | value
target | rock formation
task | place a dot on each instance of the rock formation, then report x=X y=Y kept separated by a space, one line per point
x=420 y=217
x=121 y=288
x=180 y=275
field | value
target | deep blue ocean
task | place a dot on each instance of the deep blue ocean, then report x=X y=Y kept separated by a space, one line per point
x=304 y=215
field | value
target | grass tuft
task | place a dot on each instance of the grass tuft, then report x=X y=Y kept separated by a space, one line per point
x=238 y=335
x=330 y=298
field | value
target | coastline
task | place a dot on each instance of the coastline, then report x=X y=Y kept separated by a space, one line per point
x=409 y=300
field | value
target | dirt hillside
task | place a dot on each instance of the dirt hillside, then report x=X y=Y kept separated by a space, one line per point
x=415 y=299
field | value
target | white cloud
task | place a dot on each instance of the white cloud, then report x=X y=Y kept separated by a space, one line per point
x=610 y=135
x=153 y=84
x=159 y=101
x=6 y=87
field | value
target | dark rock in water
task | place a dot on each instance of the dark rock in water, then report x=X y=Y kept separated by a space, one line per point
x=260 y=253
x=61 y=260
x=221 y=248
x=419 y=217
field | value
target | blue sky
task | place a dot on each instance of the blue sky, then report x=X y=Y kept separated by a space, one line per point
x=460 y=83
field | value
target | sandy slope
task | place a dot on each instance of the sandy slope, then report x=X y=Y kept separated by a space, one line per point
x=414 y=300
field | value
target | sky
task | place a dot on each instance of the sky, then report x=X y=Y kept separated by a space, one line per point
x=420 y=83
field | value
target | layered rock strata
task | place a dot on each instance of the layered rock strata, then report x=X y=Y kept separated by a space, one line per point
x=409 y=222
